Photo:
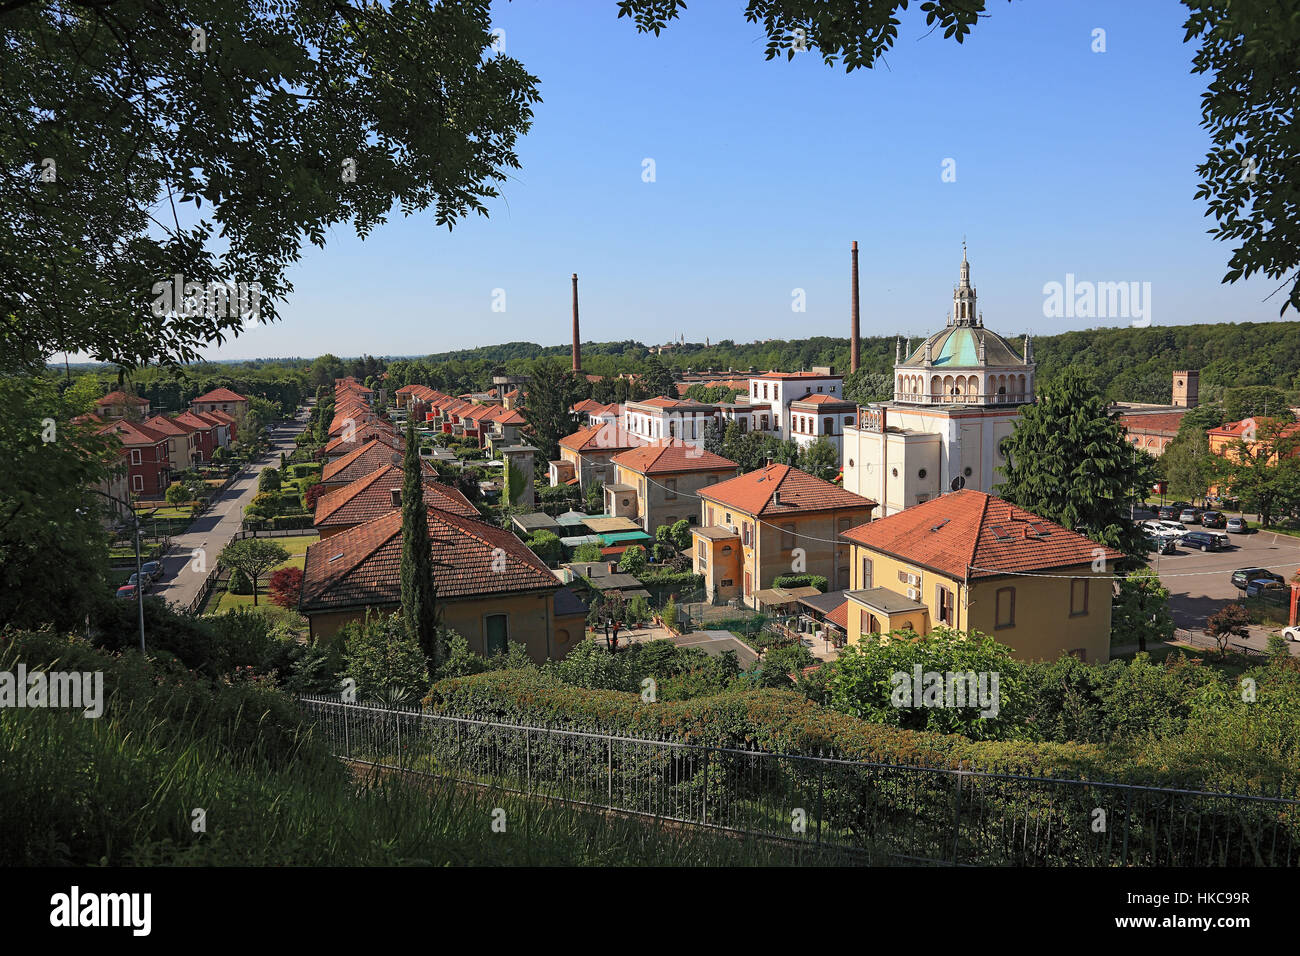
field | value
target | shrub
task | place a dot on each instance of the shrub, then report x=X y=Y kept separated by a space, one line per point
x=633 y=560
x=269 y=480
x=239 y=583
x=285 y=586
x=383 y=658
x=801 y=581
x=587 y=552
x=546 y=545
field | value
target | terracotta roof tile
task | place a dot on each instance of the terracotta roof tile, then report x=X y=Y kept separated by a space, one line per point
x=220 y=395
x=362 y=566
x=362 y=461
x=799 y=492
x=372 y=496
x=121 y=398
x=607 y=436
x=380 y=431
x=972 y=534
x=672 y=456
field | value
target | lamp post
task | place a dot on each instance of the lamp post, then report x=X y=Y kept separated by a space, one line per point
x=139 y=575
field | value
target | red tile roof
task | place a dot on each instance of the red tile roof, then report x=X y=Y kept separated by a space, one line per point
x=370 y=497
x=821 y=399
x=132 y=433
x=162 y=423
x=839 y=615
x=194 y=420
x=1164 y=423
x=121 y=398
x=362 y=461
x=799 y=492
x=672 y=456
x=604 y=437
x=784 y=375
x=364 y=433
x=220 y=395
x=362 y=566
x=972 y=534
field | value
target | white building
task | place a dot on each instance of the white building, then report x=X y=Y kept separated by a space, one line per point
x=821 y=416
x=657 y=418
x=955 y=398
x=781 y=389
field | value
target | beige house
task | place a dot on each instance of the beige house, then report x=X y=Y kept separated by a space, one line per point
x=588 y=453
x=777 y=521
x=667 y=478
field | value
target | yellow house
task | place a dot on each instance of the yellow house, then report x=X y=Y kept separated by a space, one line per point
x=490 y=587
x=667 y=477
x=776 y=521
x=586 y=454
x=973 y=562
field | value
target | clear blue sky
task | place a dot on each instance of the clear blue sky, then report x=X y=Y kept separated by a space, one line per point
x=1067 y=161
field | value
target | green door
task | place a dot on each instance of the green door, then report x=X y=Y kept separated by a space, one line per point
x=496 y=634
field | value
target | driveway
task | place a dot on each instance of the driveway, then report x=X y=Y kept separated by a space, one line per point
x=212 y=530
x=1199 y=582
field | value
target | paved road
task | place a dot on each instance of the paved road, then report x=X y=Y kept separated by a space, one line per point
x=212 y=530
x=1199 y=583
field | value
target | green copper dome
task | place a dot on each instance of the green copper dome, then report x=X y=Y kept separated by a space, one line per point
x=958 y=346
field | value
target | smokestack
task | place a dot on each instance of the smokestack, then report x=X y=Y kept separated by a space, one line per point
x=855 y=345
x=577 y=340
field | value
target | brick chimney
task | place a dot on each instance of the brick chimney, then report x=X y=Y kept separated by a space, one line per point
x=855 y=344
x=577 y=339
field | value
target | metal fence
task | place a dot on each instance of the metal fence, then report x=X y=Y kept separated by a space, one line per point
x=875 y=811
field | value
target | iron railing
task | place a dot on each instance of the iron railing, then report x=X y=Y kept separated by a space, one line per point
x=876 y=811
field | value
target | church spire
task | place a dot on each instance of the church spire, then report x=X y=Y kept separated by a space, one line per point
x=963 y=297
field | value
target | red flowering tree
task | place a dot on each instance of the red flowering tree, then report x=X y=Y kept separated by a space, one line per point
x=285 y=585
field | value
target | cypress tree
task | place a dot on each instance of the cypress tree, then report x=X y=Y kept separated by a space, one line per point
x=419 y=610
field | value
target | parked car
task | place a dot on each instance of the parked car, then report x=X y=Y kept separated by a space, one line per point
x=1213 y=519
x=1162 y=543
x=1243 y=576
x=1238 y=525
x=153 y=570
x=1292 y=633
x=1206 y=541
x=126 y=591
x=1190 y=516
x=1142 y=514
x=1275 y=592
x=132 y=580
x=1168 y=512
x=1165 y=527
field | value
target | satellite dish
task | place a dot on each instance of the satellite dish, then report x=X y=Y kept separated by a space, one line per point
x=958 y=483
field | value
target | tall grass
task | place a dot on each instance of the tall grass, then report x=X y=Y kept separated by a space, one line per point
x=124 y=790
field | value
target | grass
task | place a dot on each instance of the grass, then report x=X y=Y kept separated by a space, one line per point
x=296 y=545
x=122 y=790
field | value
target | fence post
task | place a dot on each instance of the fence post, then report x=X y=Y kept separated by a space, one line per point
x=956 y=813
x=705 y=802
x=398 y=718
x=609 y=768
x=347 y=740
x=821 y=789
x=528 y=761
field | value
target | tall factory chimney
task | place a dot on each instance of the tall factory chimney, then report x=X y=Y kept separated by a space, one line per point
x=855 y=343
x=577 y=339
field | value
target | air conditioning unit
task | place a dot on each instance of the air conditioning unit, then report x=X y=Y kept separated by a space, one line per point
x=914 y=594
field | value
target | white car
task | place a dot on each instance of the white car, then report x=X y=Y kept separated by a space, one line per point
x=1292 y=633
x=1164 y=528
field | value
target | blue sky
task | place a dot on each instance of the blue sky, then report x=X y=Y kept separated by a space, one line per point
x=1066 y=161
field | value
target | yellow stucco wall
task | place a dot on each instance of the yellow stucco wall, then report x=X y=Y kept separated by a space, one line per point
x=1044 y=627
x=655 y=507
x=531 y=621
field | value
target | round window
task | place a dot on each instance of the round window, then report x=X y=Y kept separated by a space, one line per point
x=968 y=472
x=921 y=473
x=894 y=472
x=850 y=462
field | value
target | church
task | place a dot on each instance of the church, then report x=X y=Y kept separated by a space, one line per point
x=955 y=398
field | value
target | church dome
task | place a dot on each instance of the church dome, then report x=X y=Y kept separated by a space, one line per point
x=959 y=346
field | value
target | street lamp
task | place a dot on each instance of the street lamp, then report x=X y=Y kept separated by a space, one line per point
x=139 y=575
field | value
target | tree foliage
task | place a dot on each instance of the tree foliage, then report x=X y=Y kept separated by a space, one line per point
x=419 y=610
x=253 y=557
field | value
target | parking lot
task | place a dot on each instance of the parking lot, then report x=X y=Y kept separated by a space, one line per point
x=1199 y=583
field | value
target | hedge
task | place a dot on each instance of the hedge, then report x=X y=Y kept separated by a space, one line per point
x=801 y=581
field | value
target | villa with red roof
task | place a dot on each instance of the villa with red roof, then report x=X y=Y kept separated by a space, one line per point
x=974 y=562
x=491 y=588
x=149 y=464
x=771 y=522
x=660 y=482
x=587 y=454
x=222 y=400
x=119 y=404
x=377 y=494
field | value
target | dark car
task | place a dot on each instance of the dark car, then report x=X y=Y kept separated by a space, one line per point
x=1213 y=519
x=1168 y=512
x=1206 y=541
x=1142 y=514
x=1242 y=577
x=1274 y=592
x=1162 y=544
x=1237 y=525
x=152 y=570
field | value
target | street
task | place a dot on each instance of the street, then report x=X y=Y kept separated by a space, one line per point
x=212 y=530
